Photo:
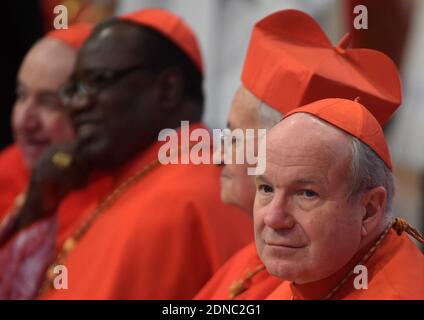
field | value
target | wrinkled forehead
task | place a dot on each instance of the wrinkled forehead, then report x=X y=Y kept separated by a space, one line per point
x=115 y=46
x=303 y=140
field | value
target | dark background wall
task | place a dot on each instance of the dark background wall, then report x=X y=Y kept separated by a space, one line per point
x=20 y=26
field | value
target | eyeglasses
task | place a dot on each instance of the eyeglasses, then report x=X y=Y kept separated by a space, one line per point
x=96 y=82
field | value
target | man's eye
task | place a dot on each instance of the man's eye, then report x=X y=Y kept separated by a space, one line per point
x=265 y=188
x=96 y=79
x=51 y=101
x=308 y=194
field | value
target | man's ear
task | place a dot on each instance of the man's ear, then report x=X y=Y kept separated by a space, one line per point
x=171 y=89
x=374 y=202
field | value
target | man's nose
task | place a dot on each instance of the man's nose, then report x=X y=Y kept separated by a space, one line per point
x=30 y=118
x=278 y=214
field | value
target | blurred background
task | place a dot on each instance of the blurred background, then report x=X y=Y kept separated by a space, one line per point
x=223 y=28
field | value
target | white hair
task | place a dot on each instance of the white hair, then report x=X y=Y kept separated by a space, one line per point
x=368 y=171
x=268 y=116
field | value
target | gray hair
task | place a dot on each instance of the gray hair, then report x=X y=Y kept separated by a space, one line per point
x=268 y=116
x=367 y=171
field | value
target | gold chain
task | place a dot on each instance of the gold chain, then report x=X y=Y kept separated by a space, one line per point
x=71 y=241
x=399 y=225
x=362 y=262
x=239 y=286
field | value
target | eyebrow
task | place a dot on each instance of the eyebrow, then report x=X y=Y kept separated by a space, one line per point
x=89 y=71
x=261 y=178
x=307 y=181
x=20 y=84
x=52 y=93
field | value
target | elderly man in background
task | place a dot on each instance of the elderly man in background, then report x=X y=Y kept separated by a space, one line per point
x=323 y=209
x=39 y=119
x=290 y=61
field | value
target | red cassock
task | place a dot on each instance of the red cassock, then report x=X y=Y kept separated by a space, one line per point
x=242 y=277
x=163 y=238
x=13 y=178
x=395 y=271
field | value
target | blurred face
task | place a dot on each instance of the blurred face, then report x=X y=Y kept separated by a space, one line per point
x=237 y=187
x=38 y=118
x=305 y=227
x=121 y=116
